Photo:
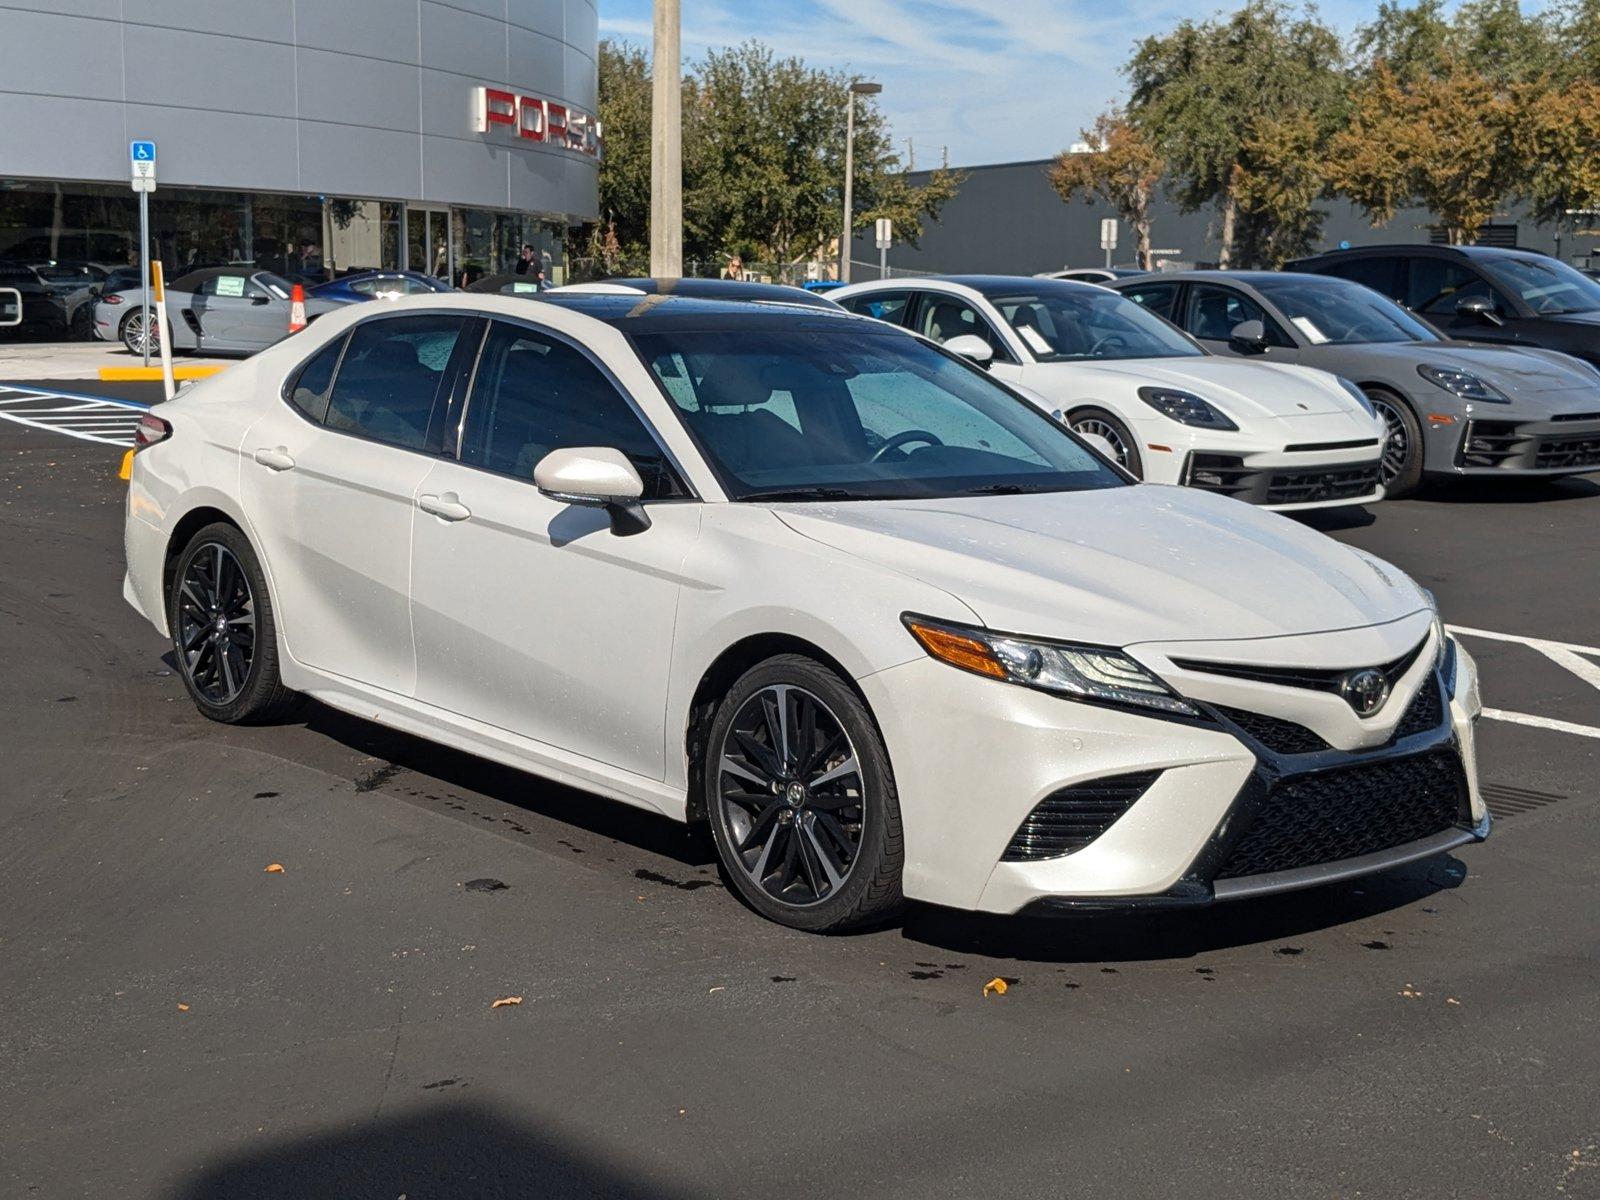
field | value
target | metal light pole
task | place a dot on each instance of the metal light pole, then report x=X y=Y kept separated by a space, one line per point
x=858 y=88
x=666 y=145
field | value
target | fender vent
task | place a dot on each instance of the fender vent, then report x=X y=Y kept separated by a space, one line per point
x=1071 y=818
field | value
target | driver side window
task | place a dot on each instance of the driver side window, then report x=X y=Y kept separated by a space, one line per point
x=943 y=317
x=1212 y=312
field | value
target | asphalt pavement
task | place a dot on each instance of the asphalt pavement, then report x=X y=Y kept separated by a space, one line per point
x=178 y=1021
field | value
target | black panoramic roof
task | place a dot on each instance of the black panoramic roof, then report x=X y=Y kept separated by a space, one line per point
x=724 y=289
x=1420 y=248
x=654 y=313
x=990 y=284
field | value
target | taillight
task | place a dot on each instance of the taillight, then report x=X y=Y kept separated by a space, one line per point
x=150 y=430
x=111 y=299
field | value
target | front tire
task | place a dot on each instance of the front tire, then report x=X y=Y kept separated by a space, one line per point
x=1123 y=443
x=223 y=633
x=802 y=800
x=1401 y=465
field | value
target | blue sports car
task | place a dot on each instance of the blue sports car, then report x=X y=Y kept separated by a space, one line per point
x=378 y=285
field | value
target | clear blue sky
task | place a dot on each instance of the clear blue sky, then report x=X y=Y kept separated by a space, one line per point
x=994 y=80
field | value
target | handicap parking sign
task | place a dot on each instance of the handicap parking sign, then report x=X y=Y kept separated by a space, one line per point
x=142 y=152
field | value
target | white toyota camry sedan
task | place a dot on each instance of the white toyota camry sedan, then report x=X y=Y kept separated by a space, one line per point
x=887 y=628
x=1283 y=436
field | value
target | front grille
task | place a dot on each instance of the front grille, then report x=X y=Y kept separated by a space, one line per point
x=1594 y=416
x=1322 y=680
x=1568 y=450
x=1347 y=812
x=1276 y=734
x=1425 y=714
x=1331 y=483
x=1072 y=817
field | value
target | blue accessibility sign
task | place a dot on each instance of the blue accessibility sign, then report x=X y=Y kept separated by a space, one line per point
x=142 y=151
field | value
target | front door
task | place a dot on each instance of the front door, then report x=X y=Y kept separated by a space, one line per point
x=530 y=614
x=329 y=480
x=1211 y=312
x=1435 y=286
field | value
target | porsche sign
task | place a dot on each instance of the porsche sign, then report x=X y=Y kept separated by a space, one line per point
x=536 y=119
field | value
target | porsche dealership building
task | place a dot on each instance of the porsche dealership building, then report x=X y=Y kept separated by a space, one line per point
x=307 y=137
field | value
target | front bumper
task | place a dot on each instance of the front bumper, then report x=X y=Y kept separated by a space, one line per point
x=1562 y=445
x=1289 y=483
x=975 y=761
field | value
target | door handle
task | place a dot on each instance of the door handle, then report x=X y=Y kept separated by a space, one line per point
x=447 y=507
x=277 y=458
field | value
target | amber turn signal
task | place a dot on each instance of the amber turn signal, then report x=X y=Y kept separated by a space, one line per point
x=957 y=649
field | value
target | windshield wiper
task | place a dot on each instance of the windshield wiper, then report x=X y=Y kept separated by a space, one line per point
x=997 y=489
x=810 y=493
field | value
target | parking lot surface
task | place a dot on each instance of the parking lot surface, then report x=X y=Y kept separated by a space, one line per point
x=177 y=1020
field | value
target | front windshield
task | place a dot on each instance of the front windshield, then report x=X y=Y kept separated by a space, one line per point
x=848 y=413
x=1078 y=324
x=1338 y=313
x=1546 y=285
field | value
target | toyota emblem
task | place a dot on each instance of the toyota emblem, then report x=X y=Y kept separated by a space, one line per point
x=1364 y=691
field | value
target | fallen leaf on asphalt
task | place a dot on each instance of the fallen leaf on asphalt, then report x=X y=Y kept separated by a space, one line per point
x=1452 y=1000
x=995 y=985
x=505 y=1000
x=183 y=1008
x=274 y=868
x=715 y=989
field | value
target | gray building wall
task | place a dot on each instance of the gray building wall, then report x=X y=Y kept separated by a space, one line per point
x=364 y=98
x=1007 y=219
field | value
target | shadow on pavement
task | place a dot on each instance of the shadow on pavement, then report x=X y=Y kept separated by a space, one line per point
x=571 y=806
x=1331 y=520
x=463 y=1150
x=1145 y=937
x=1511 y=491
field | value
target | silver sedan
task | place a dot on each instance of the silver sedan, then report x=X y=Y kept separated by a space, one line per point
x=222 y=310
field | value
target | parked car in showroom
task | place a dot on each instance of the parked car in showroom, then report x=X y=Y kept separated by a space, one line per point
x=378 y=285
x=218 y=310
x=1451 y=407
x=39 y=308
x=1286 y=437
x=891 y=631
x=1479 y=293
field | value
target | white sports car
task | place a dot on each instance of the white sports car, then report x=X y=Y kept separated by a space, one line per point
x=1285 y=437
x=830 y=589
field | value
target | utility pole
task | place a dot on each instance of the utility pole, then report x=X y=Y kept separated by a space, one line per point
x=666 y=145
x=857 y=88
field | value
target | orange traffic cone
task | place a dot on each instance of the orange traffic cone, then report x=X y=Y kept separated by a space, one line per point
x=297 y=309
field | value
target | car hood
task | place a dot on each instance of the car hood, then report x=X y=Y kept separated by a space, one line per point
x=1243 y=389
x=1519 y=373
x=1143 y=563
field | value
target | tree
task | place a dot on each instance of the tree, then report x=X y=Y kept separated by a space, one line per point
x=624 y=76
x=1121 y=168
x=1495 y=36
x=1281 y=175
x=1445 y=142
x=1558 y=134
x=1201 y=88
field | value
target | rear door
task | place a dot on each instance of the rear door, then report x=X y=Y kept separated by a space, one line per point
x=329 y=480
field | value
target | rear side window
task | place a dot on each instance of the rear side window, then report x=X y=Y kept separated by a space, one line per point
x=534 y=394
x=884 y=306
x=309 y=392
x=393 y=374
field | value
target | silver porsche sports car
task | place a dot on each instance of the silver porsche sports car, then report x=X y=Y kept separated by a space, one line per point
x=223 y=310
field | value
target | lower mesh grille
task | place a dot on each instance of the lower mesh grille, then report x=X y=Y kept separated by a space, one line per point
x=1425 y=714
x=1328 y=483
x=1071 y=818
x=1276 y=734
x=1568 y=451
x=1348 y=812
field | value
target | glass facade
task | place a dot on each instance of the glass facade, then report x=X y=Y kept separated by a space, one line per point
x=305 y=238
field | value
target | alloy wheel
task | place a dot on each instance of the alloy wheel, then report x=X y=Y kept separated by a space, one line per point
x=133 y=334
x=216 y=618
x=792 y=795
x=1396 y=441
x=1109 y=432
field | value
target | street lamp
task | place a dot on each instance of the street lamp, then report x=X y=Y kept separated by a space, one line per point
x=859 y=87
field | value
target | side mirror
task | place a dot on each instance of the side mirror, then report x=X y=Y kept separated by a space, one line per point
x=1479 y=307
x=972 y=348
x=595 y=477
x=1249 y=337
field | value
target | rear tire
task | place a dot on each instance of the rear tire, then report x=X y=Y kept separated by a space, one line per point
x=1099 y=421
x=1401 y=468
x=132 y=332
x=802 y=801
x=223 y=633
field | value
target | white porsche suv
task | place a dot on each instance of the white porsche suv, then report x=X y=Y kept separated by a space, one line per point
x=884 y=626
x=1282 y=436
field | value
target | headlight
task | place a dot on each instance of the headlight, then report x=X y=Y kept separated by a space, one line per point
x=1357 y=395
x=1093 y=673
x=1184 y=407
x=1462 y=383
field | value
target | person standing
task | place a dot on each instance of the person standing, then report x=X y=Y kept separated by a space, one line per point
x=525 y=261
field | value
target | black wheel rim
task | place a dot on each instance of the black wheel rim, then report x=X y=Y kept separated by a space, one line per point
x=1119 y=446
x=216 y=632
x=792 y=796
x=1396 y=441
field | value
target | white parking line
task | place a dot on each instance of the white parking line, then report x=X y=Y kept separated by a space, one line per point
x=88 y=418
x=1567 y=655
